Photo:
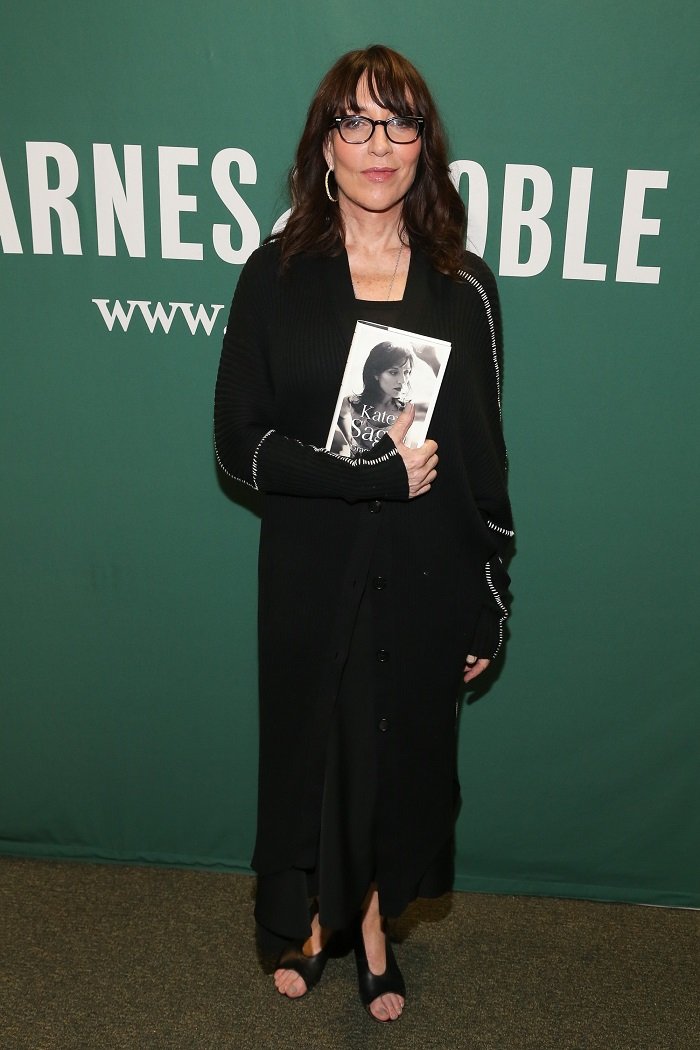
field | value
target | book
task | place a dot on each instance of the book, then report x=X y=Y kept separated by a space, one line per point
x=386 y=369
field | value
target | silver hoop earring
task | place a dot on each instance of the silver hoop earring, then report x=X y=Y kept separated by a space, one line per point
x=331 y=198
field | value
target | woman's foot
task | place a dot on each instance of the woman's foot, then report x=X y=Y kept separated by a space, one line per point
x=381 y=983
x=304 y=966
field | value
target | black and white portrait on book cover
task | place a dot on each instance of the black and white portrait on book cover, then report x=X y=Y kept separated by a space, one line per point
x=386 y=369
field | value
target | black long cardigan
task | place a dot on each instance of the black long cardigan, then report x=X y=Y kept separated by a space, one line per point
x=282 y=362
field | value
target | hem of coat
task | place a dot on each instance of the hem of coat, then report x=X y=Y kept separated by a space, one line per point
x=282 y=906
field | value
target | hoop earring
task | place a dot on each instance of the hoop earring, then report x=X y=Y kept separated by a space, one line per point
x=332 y=199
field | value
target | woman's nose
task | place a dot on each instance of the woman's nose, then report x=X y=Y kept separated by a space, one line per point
x=380 y=143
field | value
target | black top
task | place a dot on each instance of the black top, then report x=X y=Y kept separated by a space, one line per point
x=380 y=312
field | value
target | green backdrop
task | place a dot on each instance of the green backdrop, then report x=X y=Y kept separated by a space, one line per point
x=128 y=636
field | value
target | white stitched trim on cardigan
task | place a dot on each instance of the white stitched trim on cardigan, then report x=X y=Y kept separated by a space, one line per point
x=489 y=317
x=254 y=484
x=501 y=606
x=359 y=461
x=254 y=469
x=228 y=472
x=499 y=528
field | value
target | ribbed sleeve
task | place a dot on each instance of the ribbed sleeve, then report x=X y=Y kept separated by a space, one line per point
x=291 y=467
x=489 y=473
x=249 y=447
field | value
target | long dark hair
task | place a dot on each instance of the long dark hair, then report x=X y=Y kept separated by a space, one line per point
x=433 y=216
x=381 y=357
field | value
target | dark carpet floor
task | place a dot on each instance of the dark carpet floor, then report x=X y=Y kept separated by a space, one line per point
x=97 y=957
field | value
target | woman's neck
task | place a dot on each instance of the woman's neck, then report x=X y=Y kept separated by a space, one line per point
x=377 y=255
x=371 y=233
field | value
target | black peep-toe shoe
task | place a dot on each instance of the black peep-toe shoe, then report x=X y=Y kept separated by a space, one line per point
x=310 y=967
x=371 y=985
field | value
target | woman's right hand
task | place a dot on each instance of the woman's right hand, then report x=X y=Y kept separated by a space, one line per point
x=420 y=463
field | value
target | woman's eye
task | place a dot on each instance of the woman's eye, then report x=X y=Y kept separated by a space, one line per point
x=353 y=123
x=402 y=123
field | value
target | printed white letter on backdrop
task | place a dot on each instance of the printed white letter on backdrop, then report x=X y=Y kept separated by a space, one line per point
x=515 y=217
x=221 y=179
x=576 y=229
x=477 y=202
x=42 y=199
x=172 y=202
x=635 y=226
x=9 y=234
x=123 y=201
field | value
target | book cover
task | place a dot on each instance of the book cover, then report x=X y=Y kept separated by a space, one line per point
x=386 y=369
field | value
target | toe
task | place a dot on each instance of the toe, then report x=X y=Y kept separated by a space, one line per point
x=378 y=1009
x=289 y=983
x=394 y=1006
x=297 y=988
x=387 y=1007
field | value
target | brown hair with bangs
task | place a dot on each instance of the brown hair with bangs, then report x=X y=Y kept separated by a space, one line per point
x=433 y=216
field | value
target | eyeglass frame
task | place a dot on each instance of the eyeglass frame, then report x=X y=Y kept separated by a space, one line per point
x=336 y=121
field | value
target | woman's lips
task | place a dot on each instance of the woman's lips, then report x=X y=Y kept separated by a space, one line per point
x=378 y=174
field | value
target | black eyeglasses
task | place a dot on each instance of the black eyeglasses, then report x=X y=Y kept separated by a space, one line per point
x=356 y=130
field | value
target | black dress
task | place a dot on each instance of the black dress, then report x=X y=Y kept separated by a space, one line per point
x=368 y=602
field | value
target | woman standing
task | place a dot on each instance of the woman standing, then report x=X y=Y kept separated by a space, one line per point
x=380 y=577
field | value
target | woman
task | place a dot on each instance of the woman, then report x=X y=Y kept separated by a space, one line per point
x=364 y=418
x=380 y=577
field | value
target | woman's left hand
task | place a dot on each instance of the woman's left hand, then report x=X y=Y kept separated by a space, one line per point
x=474 y=666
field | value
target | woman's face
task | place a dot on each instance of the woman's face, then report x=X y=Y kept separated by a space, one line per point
x=376 y=175
x=392 y=381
